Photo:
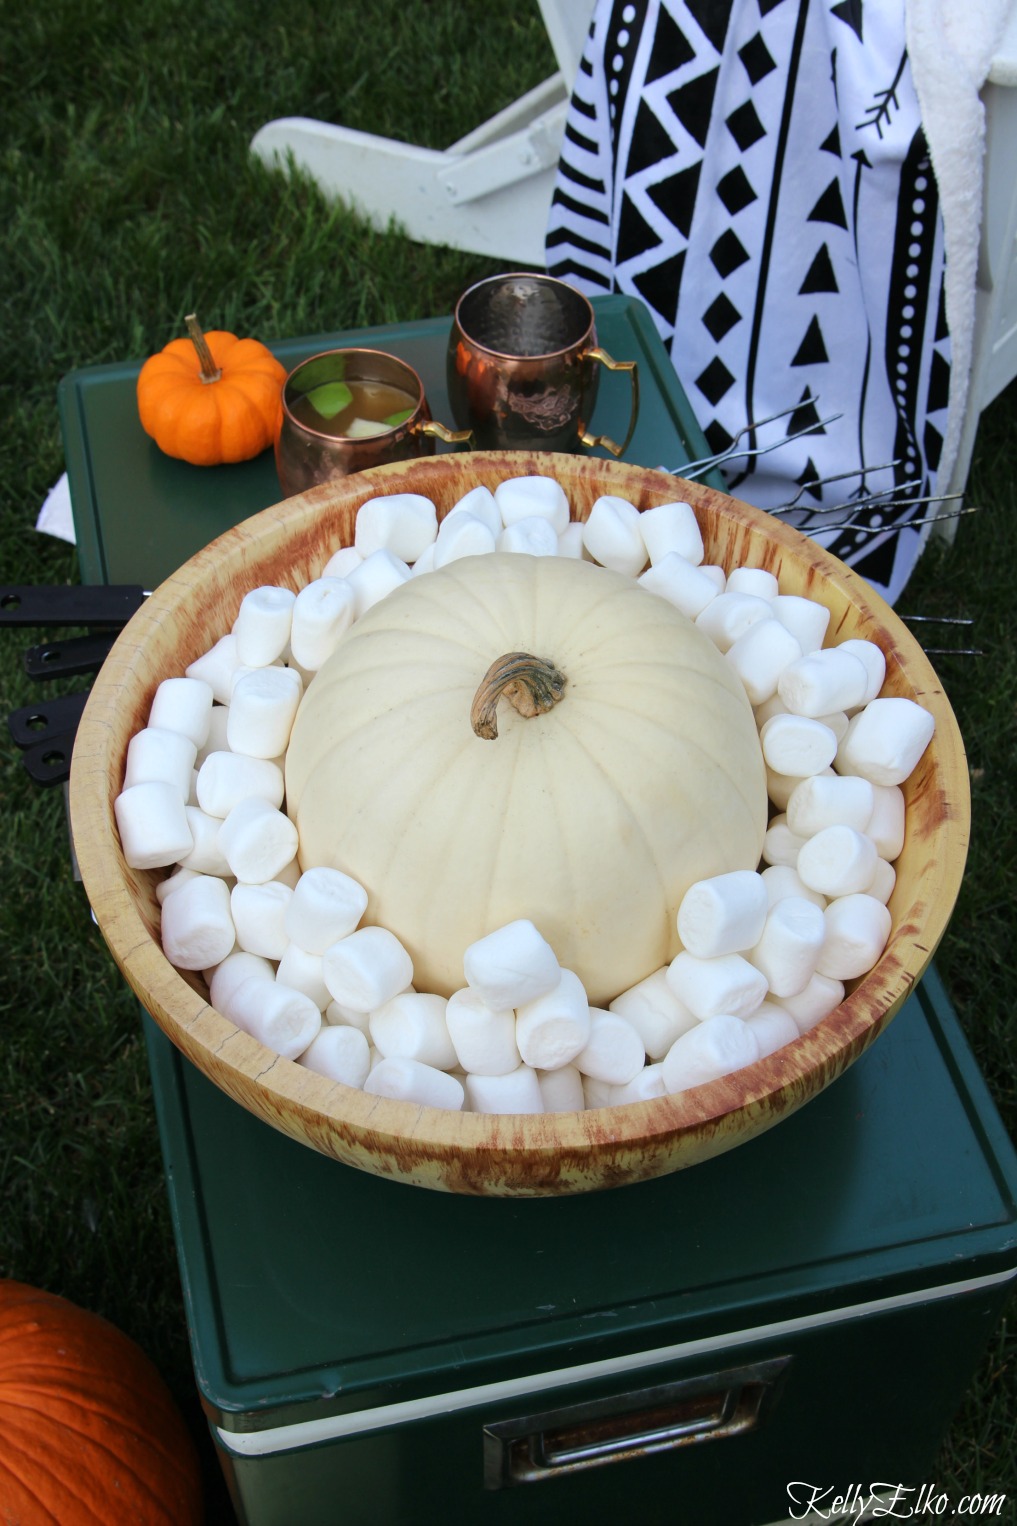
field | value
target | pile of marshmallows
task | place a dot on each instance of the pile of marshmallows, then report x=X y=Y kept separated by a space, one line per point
x=764 y=954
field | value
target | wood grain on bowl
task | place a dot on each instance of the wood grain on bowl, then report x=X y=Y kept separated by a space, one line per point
x=527 y=1155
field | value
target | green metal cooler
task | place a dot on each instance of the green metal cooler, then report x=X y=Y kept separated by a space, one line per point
x=809 y=1307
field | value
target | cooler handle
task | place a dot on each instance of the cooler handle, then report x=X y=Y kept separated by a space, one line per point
x=556 y=1442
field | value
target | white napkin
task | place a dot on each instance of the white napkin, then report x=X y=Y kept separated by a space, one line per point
x=55 y=517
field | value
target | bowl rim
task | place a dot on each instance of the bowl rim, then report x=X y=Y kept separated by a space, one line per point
x=500 y=1153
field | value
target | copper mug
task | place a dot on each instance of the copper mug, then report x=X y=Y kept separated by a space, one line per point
x=323 y=432
x=523 y=366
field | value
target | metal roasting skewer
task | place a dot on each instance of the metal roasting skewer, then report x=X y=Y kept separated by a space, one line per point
x=707 y=461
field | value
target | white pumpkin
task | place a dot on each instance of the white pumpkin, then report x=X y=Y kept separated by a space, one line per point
x=590 y=817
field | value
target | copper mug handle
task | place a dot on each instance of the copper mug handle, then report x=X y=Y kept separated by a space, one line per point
x=615 y=365
x=442 y=431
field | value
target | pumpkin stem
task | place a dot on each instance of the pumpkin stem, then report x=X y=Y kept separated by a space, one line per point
x=209 y=370
x=532 y=686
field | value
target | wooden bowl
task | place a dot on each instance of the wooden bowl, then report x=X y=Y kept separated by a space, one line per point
x=466 y=1152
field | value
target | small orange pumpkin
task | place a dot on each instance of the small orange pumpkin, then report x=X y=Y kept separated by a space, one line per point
x=89 y=1432
x=211 y=398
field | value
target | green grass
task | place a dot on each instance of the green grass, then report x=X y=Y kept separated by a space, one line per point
x=128 y=198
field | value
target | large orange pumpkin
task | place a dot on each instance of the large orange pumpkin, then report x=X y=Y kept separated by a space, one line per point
x=89 y=1432
x=211 y=398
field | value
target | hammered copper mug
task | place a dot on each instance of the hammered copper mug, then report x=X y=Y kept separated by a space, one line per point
x=523 y=366
x=314 y=446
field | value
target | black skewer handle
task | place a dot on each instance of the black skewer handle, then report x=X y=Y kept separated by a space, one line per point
x=65 y=659
x=69 y=604
x=32 y=724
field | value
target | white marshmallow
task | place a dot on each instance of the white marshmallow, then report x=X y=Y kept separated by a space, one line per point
x=226 y=778
x=376 y=576
x=425 y=561
x=613 y=1052
x=512 y=965
x=714 y=1048
x=257 y=841
x=647 y=1086
x=723 y=914
x=570 y=541
x=885 y=741
x=780 y=844
x=367 y=968
x=173 y=882
x=262 y=711
x=283 y=1020
x=463 y=535
x=613 y=537
x=820 y=997
x=197 y=928
x=756 y=580
x=655 y=1012
x=561 y=1090
x=226 y=977
x=326 y=905
x=780 y=788
x=259 y=916
x=216 y=739
x=857 y=929
x=484 y=1039
x=184 y=705
x=155 y=755
x=336 y=1013
x=597 y=1093
x=790 y=944
x=804 y=618
x=728 y=984
x=688 y=588
x=412 y=1024
x=822 y=682
x=409 y=1081
x=872 y=660
x=403 y=523
x=773 y=1027
x=342 y=562
x=829 y=800
x=517 y=1092
x=529 y=537
x=672 y=528
x=216 y=667
x=482 y=504
x=781 y=880
x=152 y=822
x=730 y=615
x=263 y=623
x=324 y=609
x=886 y=826
x=883 y=882
x=340 y=1053
x=717 y=575
x=553 y=1028
x=797 y=745
x=302 y=971
x=528 y=497
x=837 y=861
x=205 y=856
x=760 y=655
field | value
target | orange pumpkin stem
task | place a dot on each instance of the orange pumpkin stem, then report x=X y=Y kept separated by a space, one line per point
x=210 y=372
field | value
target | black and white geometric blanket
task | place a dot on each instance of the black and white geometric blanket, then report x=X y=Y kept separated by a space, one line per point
x=757 y=173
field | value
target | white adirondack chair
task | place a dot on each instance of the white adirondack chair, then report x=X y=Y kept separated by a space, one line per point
x=488 y=193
